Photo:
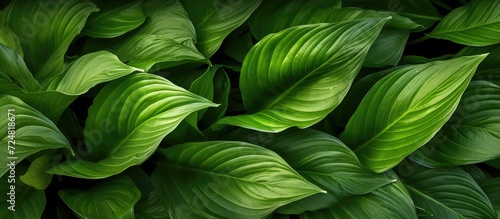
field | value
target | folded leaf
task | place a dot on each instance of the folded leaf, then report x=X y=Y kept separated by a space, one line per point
x=45 y=30
x=114 y=19
x=460 y=197
x=129 y=118
x=36 y=176
x=390 y=201
x=209 y=179
x=32 y=132
x=28 y=201
x=214 y=20
x=298 y=84
x=472 y=135
x=475 y=24
x=388 y=49
x=15 y=78
x=111 y=198
x=405 y=109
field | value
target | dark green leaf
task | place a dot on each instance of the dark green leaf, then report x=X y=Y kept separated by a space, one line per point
x=111 y=198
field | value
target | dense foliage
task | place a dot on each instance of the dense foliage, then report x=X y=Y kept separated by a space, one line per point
x=250 y=109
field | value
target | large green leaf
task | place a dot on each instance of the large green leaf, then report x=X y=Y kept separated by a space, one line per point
x=405 y=109
x=489 y=69
x=28 y=201
x=472 y=135
x=32 y=132
x=214 y=20
x=45 y=30
x=297 y=83
x=15 y=78
x=114 y=19
x=475 y=24
x=81 y=75
x=449 y=193
x=165 y=39
x=321 y=159
x=36 y=176
x=111 y=198
x=274 y=16
x=129 y=118
x=422 y=12
x=226 y=179
x=391 y=201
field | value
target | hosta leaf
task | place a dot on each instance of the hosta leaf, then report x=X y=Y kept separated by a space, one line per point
x=151 y=208
x=298 y=84
x=15 y=78
x=214 y=20
x=36 y=176
x=88 y=71
x=209 y=179
x=111 y=198
x=29 y=202
x=9 y=38
x=405 y=109
x=81 y=75
x=129 y=118
x=33 y=132
x=237 y=46
x=490 y=188
x=475 y=24
x=46 y=29
x=472 y=135
x=390 y=201
x=388 y=49
x=165 y=39
x=490 y=63
x=114 y=19
x=422 y=12
x=459 y=197
x=323 y=160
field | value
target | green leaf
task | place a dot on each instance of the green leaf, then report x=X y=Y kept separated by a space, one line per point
x=475 y=24
x=110 y=198
x=323 y=160
x=36 y=175
x=129 y=118
x=405 y=109
x=237 y=46
x=32 y=132
x=15 y=77
x=114 y=19
x=88 y=71
x=81 y=75
x=472 y=135
x=29 y=202
x=151 y=208
x=9 y=38
x=46 y=30
x=422 y=12
x=388 y=49
x=460 y=197
x=490 y=188
x=214 y=20
x=489 y=69
x=165 y=39
x=298 y=84
x=209 y=179
x=494 y=163
x=390 y=201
